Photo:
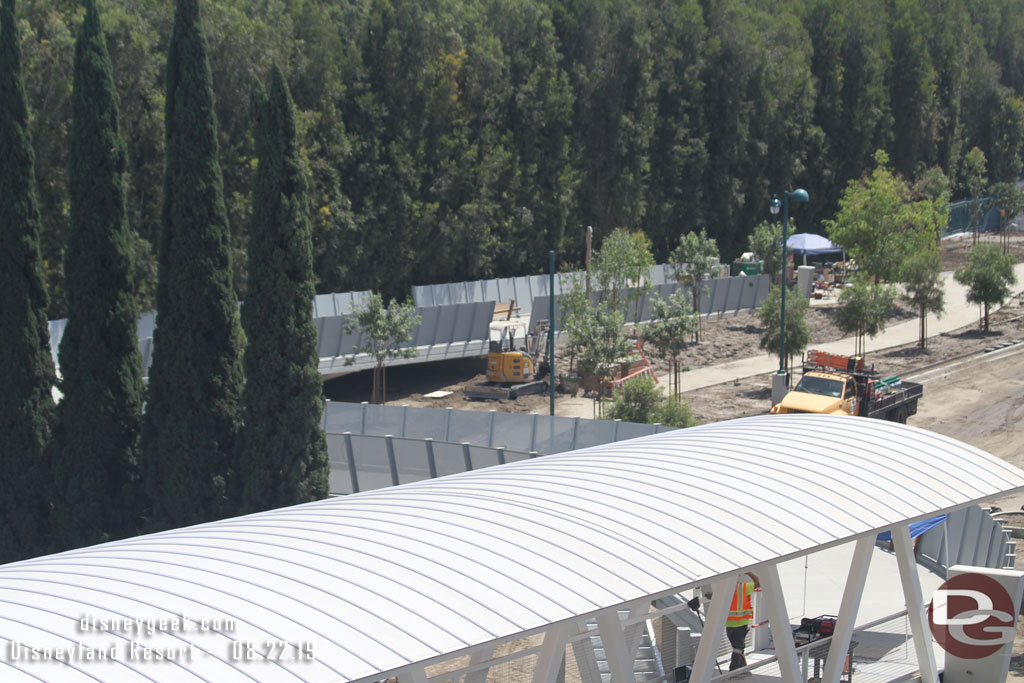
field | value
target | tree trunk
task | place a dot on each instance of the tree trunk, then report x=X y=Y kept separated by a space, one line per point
x=696 y=309
x=924 y=338
x=986 y=316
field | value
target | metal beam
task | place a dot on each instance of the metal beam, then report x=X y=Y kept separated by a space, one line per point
x=620 y=663
x=919 y=630
x=714 y=626
x=552 y=654
x=634 y=632
x=414 y=674
x=855 y=580
x=586 y=659
x=479 y=656
x=774 y=602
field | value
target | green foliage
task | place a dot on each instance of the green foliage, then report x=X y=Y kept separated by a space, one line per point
x=281 y=458
x=672 y=322
x=620 y=269
x=26 y=368
x=642 y=402
x=481 y=127
x=195 y=380
x=880 y=222
x=922 y=287
x=606 y=343
x=766 y=243
x=99 y=418
x=864 y=309
x=975 y=179
x=988 y=275
x=691 y=260
x=770 y=317
x=384 y=329
x=576 y=316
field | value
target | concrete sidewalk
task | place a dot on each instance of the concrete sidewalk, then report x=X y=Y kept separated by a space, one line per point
x=958 y=314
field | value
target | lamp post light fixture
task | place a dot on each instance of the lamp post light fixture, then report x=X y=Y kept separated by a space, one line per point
x=802 y=197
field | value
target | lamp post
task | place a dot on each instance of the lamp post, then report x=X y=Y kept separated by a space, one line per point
x=800 y=196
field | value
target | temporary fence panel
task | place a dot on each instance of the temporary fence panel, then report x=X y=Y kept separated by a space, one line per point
x=444 y=332
x=542 y=434
x=364 y=463
x=969 y=536
x=340 y=303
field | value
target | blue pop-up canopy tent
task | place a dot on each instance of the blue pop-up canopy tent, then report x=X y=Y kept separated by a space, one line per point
x=805 y=243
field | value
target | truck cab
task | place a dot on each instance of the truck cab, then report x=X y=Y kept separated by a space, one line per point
x=833 y=384
x=821 y=392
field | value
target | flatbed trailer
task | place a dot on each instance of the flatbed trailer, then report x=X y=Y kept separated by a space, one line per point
x=896 y=405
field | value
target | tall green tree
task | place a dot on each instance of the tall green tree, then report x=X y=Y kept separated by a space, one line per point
x=672 y=322
x=913 y=85
x=620 y=269
x=384 y=329
x=766 y=243
x=99 y=419
x=678 y=149
x=196 y=379
x=880 y=221
x=282 y=451
x=691 y=260
x=798 y=335
x=863 y=310
x=26 y=367
x=988 y=275
x=975 y=180
x=922 y=287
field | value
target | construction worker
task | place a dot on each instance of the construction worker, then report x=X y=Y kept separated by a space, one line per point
x=741 y=614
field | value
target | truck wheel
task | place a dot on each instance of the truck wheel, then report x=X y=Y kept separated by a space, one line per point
x=901 y=415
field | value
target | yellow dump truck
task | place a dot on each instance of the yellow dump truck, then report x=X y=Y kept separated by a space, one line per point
x=833 y=384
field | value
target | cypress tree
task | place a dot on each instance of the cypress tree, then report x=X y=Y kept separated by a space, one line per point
x=282 y=454
x=195 y=380
x=26 y=367
x=98 y=420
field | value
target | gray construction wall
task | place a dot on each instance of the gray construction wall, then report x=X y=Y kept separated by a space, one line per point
x=720 y=296
x=455 y=331
x=541 y=434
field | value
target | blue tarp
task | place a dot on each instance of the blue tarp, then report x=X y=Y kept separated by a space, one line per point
x=811 y=244
x=917 y=528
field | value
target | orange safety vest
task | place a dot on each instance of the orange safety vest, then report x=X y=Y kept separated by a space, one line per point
x=741 y=613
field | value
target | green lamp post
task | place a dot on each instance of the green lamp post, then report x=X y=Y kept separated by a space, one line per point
x=802 y=197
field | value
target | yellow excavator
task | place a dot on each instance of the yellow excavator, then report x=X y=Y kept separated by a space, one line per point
x=513 y=372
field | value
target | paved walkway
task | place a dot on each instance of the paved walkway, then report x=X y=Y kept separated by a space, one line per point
x=958 y=314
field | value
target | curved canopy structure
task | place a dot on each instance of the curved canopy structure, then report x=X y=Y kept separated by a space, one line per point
x=362 y=587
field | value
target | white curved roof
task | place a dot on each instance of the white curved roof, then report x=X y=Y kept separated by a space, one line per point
x=379 y=580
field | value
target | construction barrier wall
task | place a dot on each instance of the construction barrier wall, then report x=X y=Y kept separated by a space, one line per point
x=522 y=290
x=444 y=332
x=542 y=434
x=343 y=303
x=364 y=463
x=720 y=296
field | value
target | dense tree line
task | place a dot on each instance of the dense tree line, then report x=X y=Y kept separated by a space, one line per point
x=208 y=445
x=494 y=130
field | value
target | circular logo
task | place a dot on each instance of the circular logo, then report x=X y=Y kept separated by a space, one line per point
x=972 y=616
